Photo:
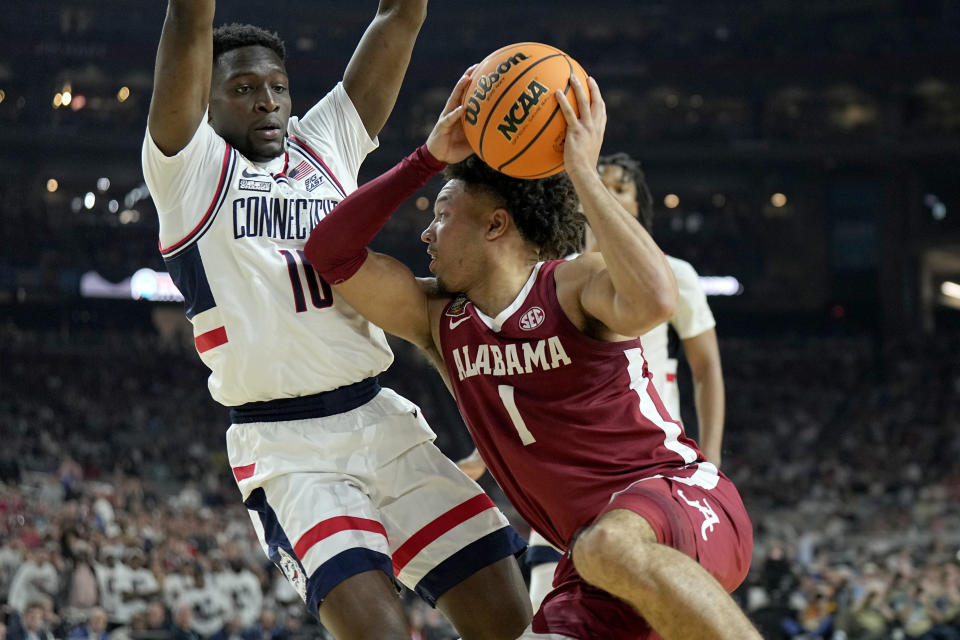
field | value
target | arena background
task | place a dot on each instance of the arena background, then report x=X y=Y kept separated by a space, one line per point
x=802 y=155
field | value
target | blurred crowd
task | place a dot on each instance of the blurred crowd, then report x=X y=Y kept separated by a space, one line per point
x=119 y=519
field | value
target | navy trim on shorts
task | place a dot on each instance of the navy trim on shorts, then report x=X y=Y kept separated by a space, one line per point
x=318 y=405
x=331 y=573
x=541 y=554
x=481 y=553
x=345 y=564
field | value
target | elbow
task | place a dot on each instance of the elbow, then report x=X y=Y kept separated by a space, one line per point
x=312 y=251
x=662 y=303
x=413 y=13
x=665 y=304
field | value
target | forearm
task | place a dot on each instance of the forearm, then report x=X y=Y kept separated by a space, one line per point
x=708 y=396
x=337 y=245
x=641 y=277
x=181 y=84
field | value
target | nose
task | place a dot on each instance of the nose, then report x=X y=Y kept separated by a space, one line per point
x=427 y=234
x=266 y=100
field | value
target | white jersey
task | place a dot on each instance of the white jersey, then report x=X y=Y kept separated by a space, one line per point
x=232 y=234
x=691 y=318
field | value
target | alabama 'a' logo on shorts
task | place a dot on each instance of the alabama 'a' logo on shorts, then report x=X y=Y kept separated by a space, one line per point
x=293 y=571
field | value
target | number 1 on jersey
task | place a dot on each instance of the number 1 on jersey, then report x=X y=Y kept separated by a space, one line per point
x=506 y=396
x=320 y=294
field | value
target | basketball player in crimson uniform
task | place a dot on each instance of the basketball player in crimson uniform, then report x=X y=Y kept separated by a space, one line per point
x=693 y=322
x=555 y=392
x=344 y=486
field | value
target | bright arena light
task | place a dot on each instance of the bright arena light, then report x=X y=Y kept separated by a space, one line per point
x=721 y=285
x=778 y=200
x=123 y=94
x=950 y=289
x=89 y=200
x=671 y=201
x=52 y=185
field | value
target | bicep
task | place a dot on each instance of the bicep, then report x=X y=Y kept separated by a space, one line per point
x=181 y=84
x=386 y=293
x=600 y=301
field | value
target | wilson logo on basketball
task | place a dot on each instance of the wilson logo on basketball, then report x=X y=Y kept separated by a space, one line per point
x=532 y=319
x=484 y=84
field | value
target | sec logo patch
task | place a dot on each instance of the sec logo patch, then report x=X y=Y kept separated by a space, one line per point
x=532 y=319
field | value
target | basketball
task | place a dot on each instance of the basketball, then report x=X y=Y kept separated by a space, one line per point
x=511 y=116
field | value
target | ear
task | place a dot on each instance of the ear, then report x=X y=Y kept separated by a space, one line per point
x=498 y=223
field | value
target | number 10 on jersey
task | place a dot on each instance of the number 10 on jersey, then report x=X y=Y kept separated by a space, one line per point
x=320 y=294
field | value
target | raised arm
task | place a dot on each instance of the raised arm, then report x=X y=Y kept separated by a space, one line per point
x=181 y=79
x=379 y=287
x=629 y=287
x=376 y=69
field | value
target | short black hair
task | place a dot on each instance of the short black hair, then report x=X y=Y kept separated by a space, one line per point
x=234 y=36
x=546 y=211
x=633 y=170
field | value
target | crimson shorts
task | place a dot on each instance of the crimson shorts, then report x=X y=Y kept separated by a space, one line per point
x=710 y=525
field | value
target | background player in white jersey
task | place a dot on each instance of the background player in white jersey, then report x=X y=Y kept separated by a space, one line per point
x=555 y=392
x=343 y=483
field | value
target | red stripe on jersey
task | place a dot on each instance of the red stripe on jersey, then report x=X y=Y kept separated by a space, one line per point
x=671 y=377
x=211 y=339
x=213 y=204
x=458 y=515
x=328 y=527
x=317 y=158
x=244 y=472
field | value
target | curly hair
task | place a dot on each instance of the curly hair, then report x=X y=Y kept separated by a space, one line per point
x=633 y=171
x=546 y=211
x=234 y=35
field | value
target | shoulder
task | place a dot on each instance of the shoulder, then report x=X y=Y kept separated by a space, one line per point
x=681 y=268
x=579 y=268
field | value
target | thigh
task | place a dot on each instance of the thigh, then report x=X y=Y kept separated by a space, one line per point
x=363 y=606
x=441 y=525
x=708 y=524
x=491 y=603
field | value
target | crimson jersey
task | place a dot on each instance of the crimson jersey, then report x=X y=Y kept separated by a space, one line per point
x=563 y=420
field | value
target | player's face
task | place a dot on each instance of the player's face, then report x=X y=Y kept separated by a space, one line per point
x=250 y=101
x=621 y=186
x=455 y=237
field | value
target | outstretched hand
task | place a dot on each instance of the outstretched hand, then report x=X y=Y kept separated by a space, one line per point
x=447 y=142
x=581 y=149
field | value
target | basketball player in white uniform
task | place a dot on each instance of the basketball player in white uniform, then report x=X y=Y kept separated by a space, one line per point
x=343 y=484
x=696 y=328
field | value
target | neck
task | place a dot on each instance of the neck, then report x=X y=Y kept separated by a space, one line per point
x=501 y=284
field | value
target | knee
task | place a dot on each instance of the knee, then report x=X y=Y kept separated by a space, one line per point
x=606 y=553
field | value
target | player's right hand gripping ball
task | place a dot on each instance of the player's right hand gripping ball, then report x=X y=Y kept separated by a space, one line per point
x=511 y=116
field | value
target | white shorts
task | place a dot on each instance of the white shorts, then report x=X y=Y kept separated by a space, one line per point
x=363 y=489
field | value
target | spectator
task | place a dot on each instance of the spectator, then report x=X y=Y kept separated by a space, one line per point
x=136 y=585
x=82 y=592
x=34 y=625
x=37 y=577
x=183 y=624
x=95 y=627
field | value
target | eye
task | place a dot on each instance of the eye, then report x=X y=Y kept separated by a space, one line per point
x=279 y=88
x=242 y=89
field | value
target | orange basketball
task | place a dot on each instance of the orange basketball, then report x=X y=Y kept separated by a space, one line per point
x=511 y=116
